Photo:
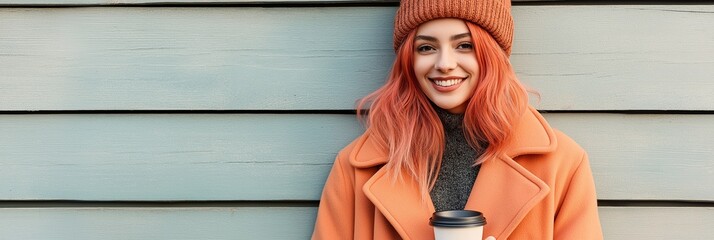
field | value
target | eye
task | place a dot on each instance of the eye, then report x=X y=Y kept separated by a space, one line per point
x=425 y=48
x=465 y=46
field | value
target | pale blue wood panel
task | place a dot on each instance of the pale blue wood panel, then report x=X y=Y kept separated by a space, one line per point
x=657 y=222
x=617 y=57
x=205 y=223
x=646 y=156
x=278 y=157
x=290 y=223
x=601 y=58
x=170 y=157
x=124 y=2
x=115 y=2
x=191 y=58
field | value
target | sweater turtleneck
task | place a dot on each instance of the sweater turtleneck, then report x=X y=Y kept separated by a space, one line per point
x=457 y=173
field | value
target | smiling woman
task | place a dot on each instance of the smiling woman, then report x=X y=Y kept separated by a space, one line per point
x=451 y=129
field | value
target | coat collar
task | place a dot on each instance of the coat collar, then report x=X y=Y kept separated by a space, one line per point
x=504 y=190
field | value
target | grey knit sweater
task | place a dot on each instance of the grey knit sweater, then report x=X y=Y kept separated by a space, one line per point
x=456 y=176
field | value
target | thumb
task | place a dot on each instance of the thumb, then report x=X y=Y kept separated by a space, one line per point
x=490 y=238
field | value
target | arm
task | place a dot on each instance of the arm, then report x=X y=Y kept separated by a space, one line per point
x=577 y=217
x=335 y=217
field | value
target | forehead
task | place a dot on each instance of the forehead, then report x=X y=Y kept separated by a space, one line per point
x=443 y=27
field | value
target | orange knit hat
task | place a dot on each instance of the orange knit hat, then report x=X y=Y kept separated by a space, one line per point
x=494 y=16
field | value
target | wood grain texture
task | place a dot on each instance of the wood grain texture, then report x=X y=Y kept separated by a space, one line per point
x=602 y=58
x=288 y=156
x=617 y=57
x=186 y=58
x=657 y=223
x=129 y=2
x=157 y=223
x=169 y=157
x=645 y=156
x=289 y=223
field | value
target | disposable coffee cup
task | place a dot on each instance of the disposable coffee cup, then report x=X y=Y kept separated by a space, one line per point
x=458 y=225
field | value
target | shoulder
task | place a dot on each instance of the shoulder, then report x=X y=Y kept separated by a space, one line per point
x=355 y=161
x=566 y=145
x=539 y=145
x=346 y=151
x=560 y=162
x=567 y=157
x=363 y=152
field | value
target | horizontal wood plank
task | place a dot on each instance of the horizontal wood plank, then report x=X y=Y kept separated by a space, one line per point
x=129 y=2
x=157 y=223
x=644 y=156
x=603 y=58
x=169 y=157
x=289 y=223
x=657 y=223
x=240 y=156
x=617 y=57
x=186 y=58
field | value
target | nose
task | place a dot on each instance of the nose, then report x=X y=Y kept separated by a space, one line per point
x=446 y=61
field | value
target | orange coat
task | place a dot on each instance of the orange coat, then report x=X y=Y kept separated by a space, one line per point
x=542 y=188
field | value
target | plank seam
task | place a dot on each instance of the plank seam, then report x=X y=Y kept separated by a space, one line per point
x=154 y=204
x=330 y=111
x=373 y=3
x=252 y=111
x=654 y=203
x=283 y=203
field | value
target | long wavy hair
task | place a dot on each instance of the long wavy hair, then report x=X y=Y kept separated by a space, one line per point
x=402 y=121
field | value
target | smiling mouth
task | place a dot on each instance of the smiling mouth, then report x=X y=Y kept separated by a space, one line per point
x=447 y=82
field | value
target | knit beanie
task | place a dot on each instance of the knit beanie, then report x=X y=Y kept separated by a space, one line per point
x=494 y=16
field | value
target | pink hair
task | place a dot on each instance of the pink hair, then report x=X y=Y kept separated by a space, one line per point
x=402 y=120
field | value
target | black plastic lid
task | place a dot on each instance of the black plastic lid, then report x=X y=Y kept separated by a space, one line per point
x=457 y=218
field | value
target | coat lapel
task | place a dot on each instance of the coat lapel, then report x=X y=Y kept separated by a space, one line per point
x=400 y=202
x=504 y=190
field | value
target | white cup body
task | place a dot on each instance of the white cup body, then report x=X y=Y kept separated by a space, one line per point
x=458 y=233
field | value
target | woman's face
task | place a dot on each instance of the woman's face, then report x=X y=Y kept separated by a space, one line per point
x=445 y=63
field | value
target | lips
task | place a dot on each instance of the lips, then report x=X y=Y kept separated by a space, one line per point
x=446 y=84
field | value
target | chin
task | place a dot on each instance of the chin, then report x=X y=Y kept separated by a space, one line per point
x=446 y=107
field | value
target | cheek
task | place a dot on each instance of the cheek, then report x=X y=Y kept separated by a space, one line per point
x=421 y=66
x=470 y=64
x=475 y=69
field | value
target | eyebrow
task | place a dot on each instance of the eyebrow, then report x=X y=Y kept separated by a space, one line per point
x=433 y=39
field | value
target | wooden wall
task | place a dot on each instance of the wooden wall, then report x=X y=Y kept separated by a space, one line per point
x=189 y=119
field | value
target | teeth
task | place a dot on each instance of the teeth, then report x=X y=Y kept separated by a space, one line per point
x=447 y=83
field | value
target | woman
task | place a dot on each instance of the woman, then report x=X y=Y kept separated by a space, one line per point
x=452 y=129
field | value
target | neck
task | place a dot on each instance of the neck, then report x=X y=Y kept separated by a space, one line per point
x=451 y=121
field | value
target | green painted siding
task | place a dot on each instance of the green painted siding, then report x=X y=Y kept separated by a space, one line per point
x=240 y=156
x=281 y=223
x=612 y=58
x=207 y=157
